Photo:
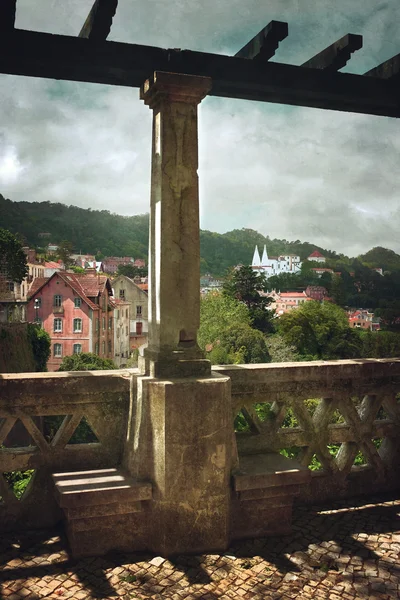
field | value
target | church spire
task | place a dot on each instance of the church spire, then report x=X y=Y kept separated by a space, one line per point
x=256 y=258
x=265 y=259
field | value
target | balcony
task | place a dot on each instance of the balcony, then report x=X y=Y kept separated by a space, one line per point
x=339 y=418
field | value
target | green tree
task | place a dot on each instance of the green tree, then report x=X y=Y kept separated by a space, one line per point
x=280 y=351
x=64 y=252
x=217 y=313
x=13 y=265
x=86 y=361
x=245 y=344
x=245 y=285
x=41 y=345
x=132 y=271
x=320 y=331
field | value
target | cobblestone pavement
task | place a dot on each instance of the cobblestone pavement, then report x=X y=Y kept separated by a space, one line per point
x=344 y=551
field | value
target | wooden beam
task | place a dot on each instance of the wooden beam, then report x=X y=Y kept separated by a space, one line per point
x=7 y=14
x=266 y=42
x=337 y=55
x=36 y=54
x=390 y=69
x=98 y=23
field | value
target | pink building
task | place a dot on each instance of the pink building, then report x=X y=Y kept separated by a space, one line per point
x=74 y=309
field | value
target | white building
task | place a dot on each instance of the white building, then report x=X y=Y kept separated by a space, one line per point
x=275 y=265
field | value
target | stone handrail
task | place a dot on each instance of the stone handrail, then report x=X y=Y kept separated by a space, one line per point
x=101 y=398
x=354 y=412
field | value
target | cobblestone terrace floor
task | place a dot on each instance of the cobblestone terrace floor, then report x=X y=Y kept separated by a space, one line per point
x=343 y=551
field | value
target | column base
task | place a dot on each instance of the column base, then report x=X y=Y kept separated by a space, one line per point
x=174 y=364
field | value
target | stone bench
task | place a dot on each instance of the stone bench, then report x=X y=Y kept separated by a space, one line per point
x=264 y=486
x=103 y=509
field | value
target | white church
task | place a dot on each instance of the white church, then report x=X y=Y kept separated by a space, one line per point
x=275 y=265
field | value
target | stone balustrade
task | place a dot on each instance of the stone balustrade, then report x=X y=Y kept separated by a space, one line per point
x=340 y=418
x=40 y=414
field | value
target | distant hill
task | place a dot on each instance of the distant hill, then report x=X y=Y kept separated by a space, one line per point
x=388 y=260
x=102 y=232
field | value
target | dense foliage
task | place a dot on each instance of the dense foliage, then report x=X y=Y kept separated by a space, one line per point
x=41 y=345
x=226 y=334
x=132 y=271
x=12 y=257
x=245 y=285
x=320 y=331
x=86 y=361
x=106 y=234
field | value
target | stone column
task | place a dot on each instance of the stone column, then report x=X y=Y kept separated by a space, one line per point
x=174 y=256
x=180 y=425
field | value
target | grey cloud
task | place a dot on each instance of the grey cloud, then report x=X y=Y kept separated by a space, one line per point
x=293 y=173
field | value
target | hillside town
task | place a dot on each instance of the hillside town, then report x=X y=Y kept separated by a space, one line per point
x=94 y=310
x=91 y=306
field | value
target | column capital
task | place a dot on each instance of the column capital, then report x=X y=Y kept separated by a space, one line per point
x=174 y=87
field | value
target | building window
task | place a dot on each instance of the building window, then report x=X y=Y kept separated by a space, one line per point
x=117 y=314
x=77 y=325
x=103 y=347
x=139 y=328
x=97 y=324
x=10 y=286
x=122 y=294
x=57 y=350
x=126 y=330
x=104 y=323
x=110 y=323
x=96 y=348
x=109 y=346
x=77 y=348
x=138 y=310
x=57 y=300
x=77 y=302
x=126 y=313
x=58 y=325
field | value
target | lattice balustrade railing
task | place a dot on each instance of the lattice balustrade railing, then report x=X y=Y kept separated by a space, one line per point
x=56 y=422
x=339 y=418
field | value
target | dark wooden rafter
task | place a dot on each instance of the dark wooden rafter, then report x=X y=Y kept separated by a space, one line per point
x=337 y=55
x=266 y=42
x=36 y=54
x=390 y=69
x=98 y=23
x=7 y=14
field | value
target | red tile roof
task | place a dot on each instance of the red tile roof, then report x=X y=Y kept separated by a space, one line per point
x=316 y=254
x=86 y=286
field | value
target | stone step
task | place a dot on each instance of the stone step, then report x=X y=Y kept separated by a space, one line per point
x=98 y=487
x=268 y=470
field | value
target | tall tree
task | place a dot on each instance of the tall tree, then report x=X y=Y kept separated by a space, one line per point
x=13 y=265
x=247 y=286
x=320 y=331
x=64 y=252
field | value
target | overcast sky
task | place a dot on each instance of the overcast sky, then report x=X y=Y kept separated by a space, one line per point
x=296 y=173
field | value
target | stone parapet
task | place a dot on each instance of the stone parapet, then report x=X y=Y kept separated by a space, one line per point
x=339 y=418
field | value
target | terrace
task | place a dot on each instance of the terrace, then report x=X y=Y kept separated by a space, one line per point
x=175 y=458
x=344 y=536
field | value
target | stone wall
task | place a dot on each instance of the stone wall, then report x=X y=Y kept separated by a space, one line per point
x=345 y=418
x=341 y=413
x=100 y=398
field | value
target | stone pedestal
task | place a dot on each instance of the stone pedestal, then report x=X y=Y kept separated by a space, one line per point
x=174 y=257
x=181 y=440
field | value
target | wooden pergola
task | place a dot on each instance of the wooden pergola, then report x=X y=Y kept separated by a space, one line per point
x=248 y=75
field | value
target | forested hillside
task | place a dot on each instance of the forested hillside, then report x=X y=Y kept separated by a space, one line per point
x=104 y=233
